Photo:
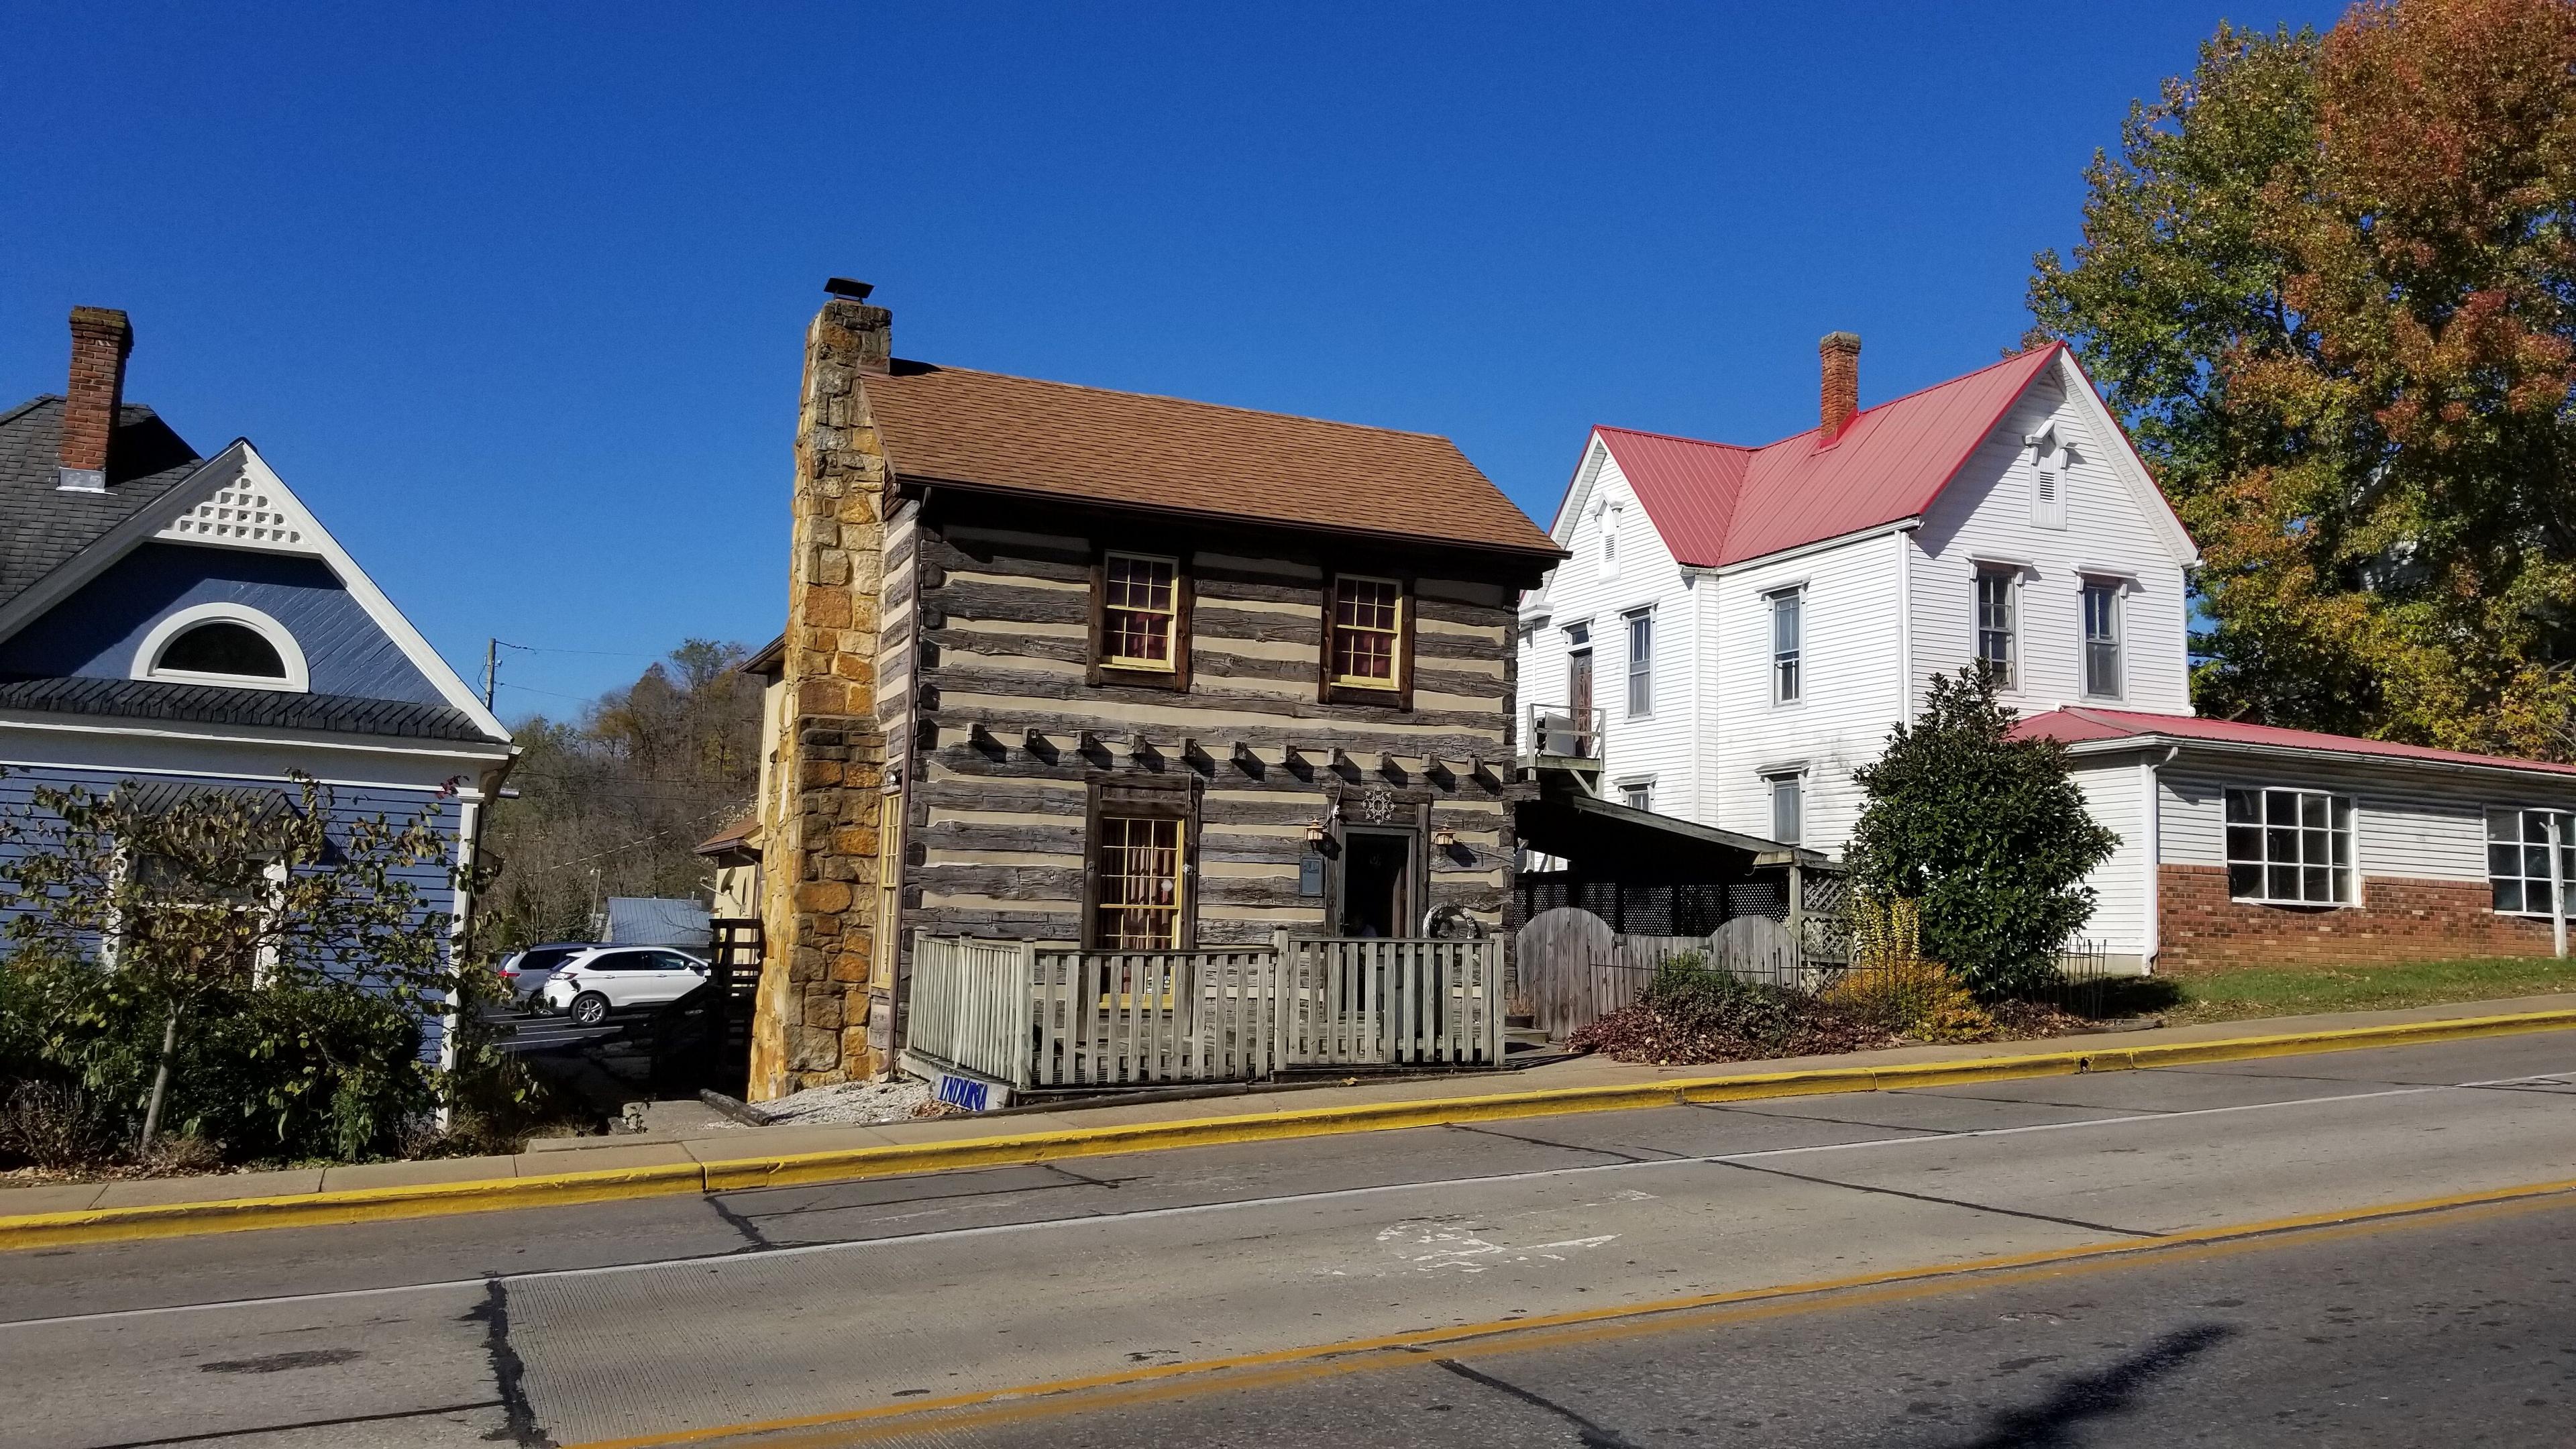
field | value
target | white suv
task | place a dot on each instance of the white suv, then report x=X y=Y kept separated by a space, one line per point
x=615 y=978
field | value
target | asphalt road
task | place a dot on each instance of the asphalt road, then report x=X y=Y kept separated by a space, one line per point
x=1476 y=1285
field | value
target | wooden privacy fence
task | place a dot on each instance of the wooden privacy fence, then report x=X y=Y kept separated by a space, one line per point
x=1573 y=969
x=1041 y=1017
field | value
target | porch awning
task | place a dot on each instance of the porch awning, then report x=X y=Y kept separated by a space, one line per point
x=1597 y=835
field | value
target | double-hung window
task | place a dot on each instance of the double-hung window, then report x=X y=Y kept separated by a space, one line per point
x=1788 y=804
x=2101 y=639
x=1140 y=611
x=2290 y=847
x=1365 y=650
x=1138 y=861
x=1641 y=663
x=1788 y=682
x=1995 y=622
x=2518 y=860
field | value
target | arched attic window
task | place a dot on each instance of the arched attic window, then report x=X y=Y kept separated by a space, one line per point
x=231 y=646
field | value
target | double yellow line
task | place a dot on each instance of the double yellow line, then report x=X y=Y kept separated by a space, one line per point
x=1164 y=1382
x=318 y=1209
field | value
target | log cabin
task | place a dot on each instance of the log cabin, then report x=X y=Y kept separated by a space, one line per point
x=1114 y=672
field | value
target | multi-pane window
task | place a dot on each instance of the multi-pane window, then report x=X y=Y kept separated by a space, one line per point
x=1140 y=611
x=1368 y=627
x=1139 y=864
x=2102 y=639
x=1788 y=805
x=1787 y=681
x=2518 y=860
x=2290 y=847
x=1995 y=623
x=1641 y=663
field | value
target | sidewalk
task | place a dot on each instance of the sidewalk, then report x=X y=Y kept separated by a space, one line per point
x=691 y=1144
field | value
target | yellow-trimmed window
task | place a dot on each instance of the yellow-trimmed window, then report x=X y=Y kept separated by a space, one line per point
x=1140 y=611
x=1368 y=632
x=1140 y=883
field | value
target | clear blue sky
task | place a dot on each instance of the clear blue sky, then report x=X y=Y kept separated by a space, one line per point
x=514 y=296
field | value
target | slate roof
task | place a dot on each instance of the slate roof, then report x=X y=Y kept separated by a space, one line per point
x=2078 y=725
x=254 y=708
x=1086 y=444
x=41 y=526
x=1719 y=503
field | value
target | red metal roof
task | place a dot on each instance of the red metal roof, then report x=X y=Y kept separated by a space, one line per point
x=2075 y=725
x=1718 y=504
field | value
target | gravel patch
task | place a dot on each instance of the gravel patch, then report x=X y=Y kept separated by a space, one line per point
x=901 y=1100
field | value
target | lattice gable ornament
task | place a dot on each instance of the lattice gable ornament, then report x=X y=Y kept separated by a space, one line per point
x=252 y=512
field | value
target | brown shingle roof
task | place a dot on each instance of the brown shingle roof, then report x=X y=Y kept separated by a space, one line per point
x=949 y=424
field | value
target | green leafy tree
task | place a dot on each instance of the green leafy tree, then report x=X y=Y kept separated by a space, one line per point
x=2331 y=283
x=1985 y=831
x=289 y=945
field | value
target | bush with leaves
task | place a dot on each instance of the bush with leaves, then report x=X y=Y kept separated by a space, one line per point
x=224 y=965
x=1986 y=831
x=1891 y=984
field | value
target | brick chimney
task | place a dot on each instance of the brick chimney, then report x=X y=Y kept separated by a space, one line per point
x=1840 y=354
x=101 y=338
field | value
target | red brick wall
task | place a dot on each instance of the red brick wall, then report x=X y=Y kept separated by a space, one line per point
x=100 y=340
x=2399 y=919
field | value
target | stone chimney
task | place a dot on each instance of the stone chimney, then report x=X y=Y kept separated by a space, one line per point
x=101 y=338
x=825 y=1009
x=1840 y=398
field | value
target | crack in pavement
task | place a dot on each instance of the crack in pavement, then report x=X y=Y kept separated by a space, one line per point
x=213 y=1435
x=751 y=1233
x=1620 y=1154
x=509 y=1372
x=1928 y=1132
x=1588 y=1433
x=1942 y=1201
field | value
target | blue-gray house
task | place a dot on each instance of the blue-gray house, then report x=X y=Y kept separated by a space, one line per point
x=184 y=622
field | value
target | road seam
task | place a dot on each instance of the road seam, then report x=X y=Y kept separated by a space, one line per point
x=1955 y=1202
x=96 y=1225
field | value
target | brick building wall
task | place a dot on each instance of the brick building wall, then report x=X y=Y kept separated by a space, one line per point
x=2399 y=919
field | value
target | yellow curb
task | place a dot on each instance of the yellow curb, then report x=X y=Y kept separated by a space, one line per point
x=104 y=1225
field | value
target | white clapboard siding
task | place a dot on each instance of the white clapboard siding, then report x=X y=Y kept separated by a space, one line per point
x=1985 y=516
x=1849 y=695
x=1656 y=747
x=2115 y=796
x=2424 y=824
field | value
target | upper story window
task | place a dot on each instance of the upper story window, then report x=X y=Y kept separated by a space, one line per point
x=2518 y=866
x=1788 y=683
x=1995 y=622
x=1641 y=663
x=1364 y=647
x=2290 y=847
x=2102 y=638
x=1141 y=622
x=232 y=646
x=1637 y=794
x=1788 y=791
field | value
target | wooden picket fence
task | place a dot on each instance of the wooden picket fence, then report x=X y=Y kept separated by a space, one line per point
x=1040 y=1018
x=1573 y=969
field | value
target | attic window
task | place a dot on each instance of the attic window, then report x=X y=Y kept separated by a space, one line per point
x=227 y=645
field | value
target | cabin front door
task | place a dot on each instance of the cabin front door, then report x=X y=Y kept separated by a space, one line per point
x=1377 y=884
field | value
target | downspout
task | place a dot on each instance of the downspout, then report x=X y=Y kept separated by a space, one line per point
x=2151 y=807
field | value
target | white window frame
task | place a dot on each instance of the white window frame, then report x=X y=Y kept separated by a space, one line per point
x=298 y=680
x=2008 y=675
x=2526 y=850
x=1795 y=780
x=1637 y=784
x=2343 y=817
x=2115 y=596
x=1633 y=620
x=1788 y=667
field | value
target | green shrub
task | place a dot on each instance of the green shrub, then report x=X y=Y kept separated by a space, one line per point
x=1985 y=831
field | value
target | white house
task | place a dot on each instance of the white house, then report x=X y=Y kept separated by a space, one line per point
x=1737 y=629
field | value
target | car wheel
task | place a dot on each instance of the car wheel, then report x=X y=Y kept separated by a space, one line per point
x=589 y=1009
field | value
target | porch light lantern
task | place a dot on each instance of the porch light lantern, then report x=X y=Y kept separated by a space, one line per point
x=1314 y=832
x=1445 y=838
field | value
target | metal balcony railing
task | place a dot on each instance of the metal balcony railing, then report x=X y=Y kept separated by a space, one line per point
x=1559 y=733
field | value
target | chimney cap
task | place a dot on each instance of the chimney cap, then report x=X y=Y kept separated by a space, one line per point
x=1839 y=342
x=845 y=287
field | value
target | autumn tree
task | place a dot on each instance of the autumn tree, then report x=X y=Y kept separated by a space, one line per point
x=2331 y=283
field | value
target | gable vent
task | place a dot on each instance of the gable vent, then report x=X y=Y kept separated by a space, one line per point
x=238 y=516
